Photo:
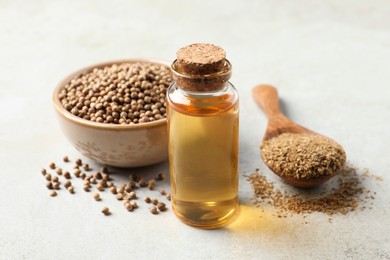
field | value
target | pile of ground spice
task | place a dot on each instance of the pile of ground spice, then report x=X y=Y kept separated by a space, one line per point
x=303 y=156
x=345 y=194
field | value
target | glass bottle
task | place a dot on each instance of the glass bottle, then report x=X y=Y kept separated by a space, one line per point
x=203 y=130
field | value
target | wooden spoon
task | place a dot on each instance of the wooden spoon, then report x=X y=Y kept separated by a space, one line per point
x=266 y=97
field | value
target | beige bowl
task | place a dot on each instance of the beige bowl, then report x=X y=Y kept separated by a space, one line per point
x=115 y=145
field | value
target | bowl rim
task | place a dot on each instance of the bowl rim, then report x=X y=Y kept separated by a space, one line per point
x=78 y=120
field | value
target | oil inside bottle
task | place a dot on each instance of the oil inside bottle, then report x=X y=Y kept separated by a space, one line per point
x=203 y=154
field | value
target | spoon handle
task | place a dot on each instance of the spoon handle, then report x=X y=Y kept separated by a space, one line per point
x=266 y=96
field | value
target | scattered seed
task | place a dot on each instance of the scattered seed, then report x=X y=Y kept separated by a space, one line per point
x=66 y=159
x=113 y=190
x=76 y=166
x=153 y=210
x=67 y=175
x=54 y=178
x=110 y=184
x=134 y=204
x=142 y=183
x=161 y=206
x=103 y=183
x=43 y=171
x=96 y=196
x=86 y=188
x=79 y=162
x=132 y=195
x=53 y=193
x=93 y=180
x=98 y=176
x=106 y=211
x=154 y=201
x=147 y=200
x=128 y=206
x=48 y=176
x=70 y=189
x=104 y=170
x=100 y=187
x=128 y=188
x=119 y=196
x=106 y=177
x=59 y=171
x=49 y=185
x=52 y=165
x=86 y=167
x=168 y=196
x=67 y=184
x=160 y=176
x=56 y=185
x=83 y=175
x=151 y=184
x=77 y=172
x=163 y=192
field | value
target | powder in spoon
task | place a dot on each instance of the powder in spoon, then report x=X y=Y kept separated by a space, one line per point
x=303 y=156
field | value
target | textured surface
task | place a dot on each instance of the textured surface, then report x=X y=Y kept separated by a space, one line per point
x=330 y=60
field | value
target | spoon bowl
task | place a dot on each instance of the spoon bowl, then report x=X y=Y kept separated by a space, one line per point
x=266 y=96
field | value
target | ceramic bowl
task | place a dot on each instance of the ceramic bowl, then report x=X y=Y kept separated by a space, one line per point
x=112 y=144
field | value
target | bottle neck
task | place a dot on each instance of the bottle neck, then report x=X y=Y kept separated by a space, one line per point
x=202 y=83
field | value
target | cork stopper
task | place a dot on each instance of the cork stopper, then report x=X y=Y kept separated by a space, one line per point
x=201 y=67
x=200 y=58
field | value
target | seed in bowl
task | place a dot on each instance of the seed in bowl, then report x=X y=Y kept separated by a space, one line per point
x=126 y=93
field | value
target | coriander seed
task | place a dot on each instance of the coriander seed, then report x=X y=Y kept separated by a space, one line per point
x=106 y=211
x=153 y=210
x=56 y=185
x=79 y=162
x=132 y=195
x=70 y=189
x=52 y=165
x=59 y=171
x=66 y=159
x=160 y=176
x=128 y=206
x=76 y=172
x=161 y=206
x=147 y=200
x=100 y=187
x=67 y=184
x=168 y=196
x=119 y=196
x=49 y=185
x=43 y=171
x=86 y=188
x=134 y=204
x=53 y=193
x=98 y=176
x=86 y=167
x=142 y=183
x=67 y=175
x=48 y=176
x=96 y=196
x=154 y=201
x=113 y=190
x=163 y=192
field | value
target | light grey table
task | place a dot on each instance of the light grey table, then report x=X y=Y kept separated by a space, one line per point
x=330 y=60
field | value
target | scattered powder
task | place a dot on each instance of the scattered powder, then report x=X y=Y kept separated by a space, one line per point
x=303 y=156
x=347 y=194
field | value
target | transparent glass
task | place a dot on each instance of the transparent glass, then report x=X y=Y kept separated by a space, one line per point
x=203 y=155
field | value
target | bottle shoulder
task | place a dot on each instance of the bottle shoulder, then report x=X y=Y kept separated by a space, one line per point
x=202 y=103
